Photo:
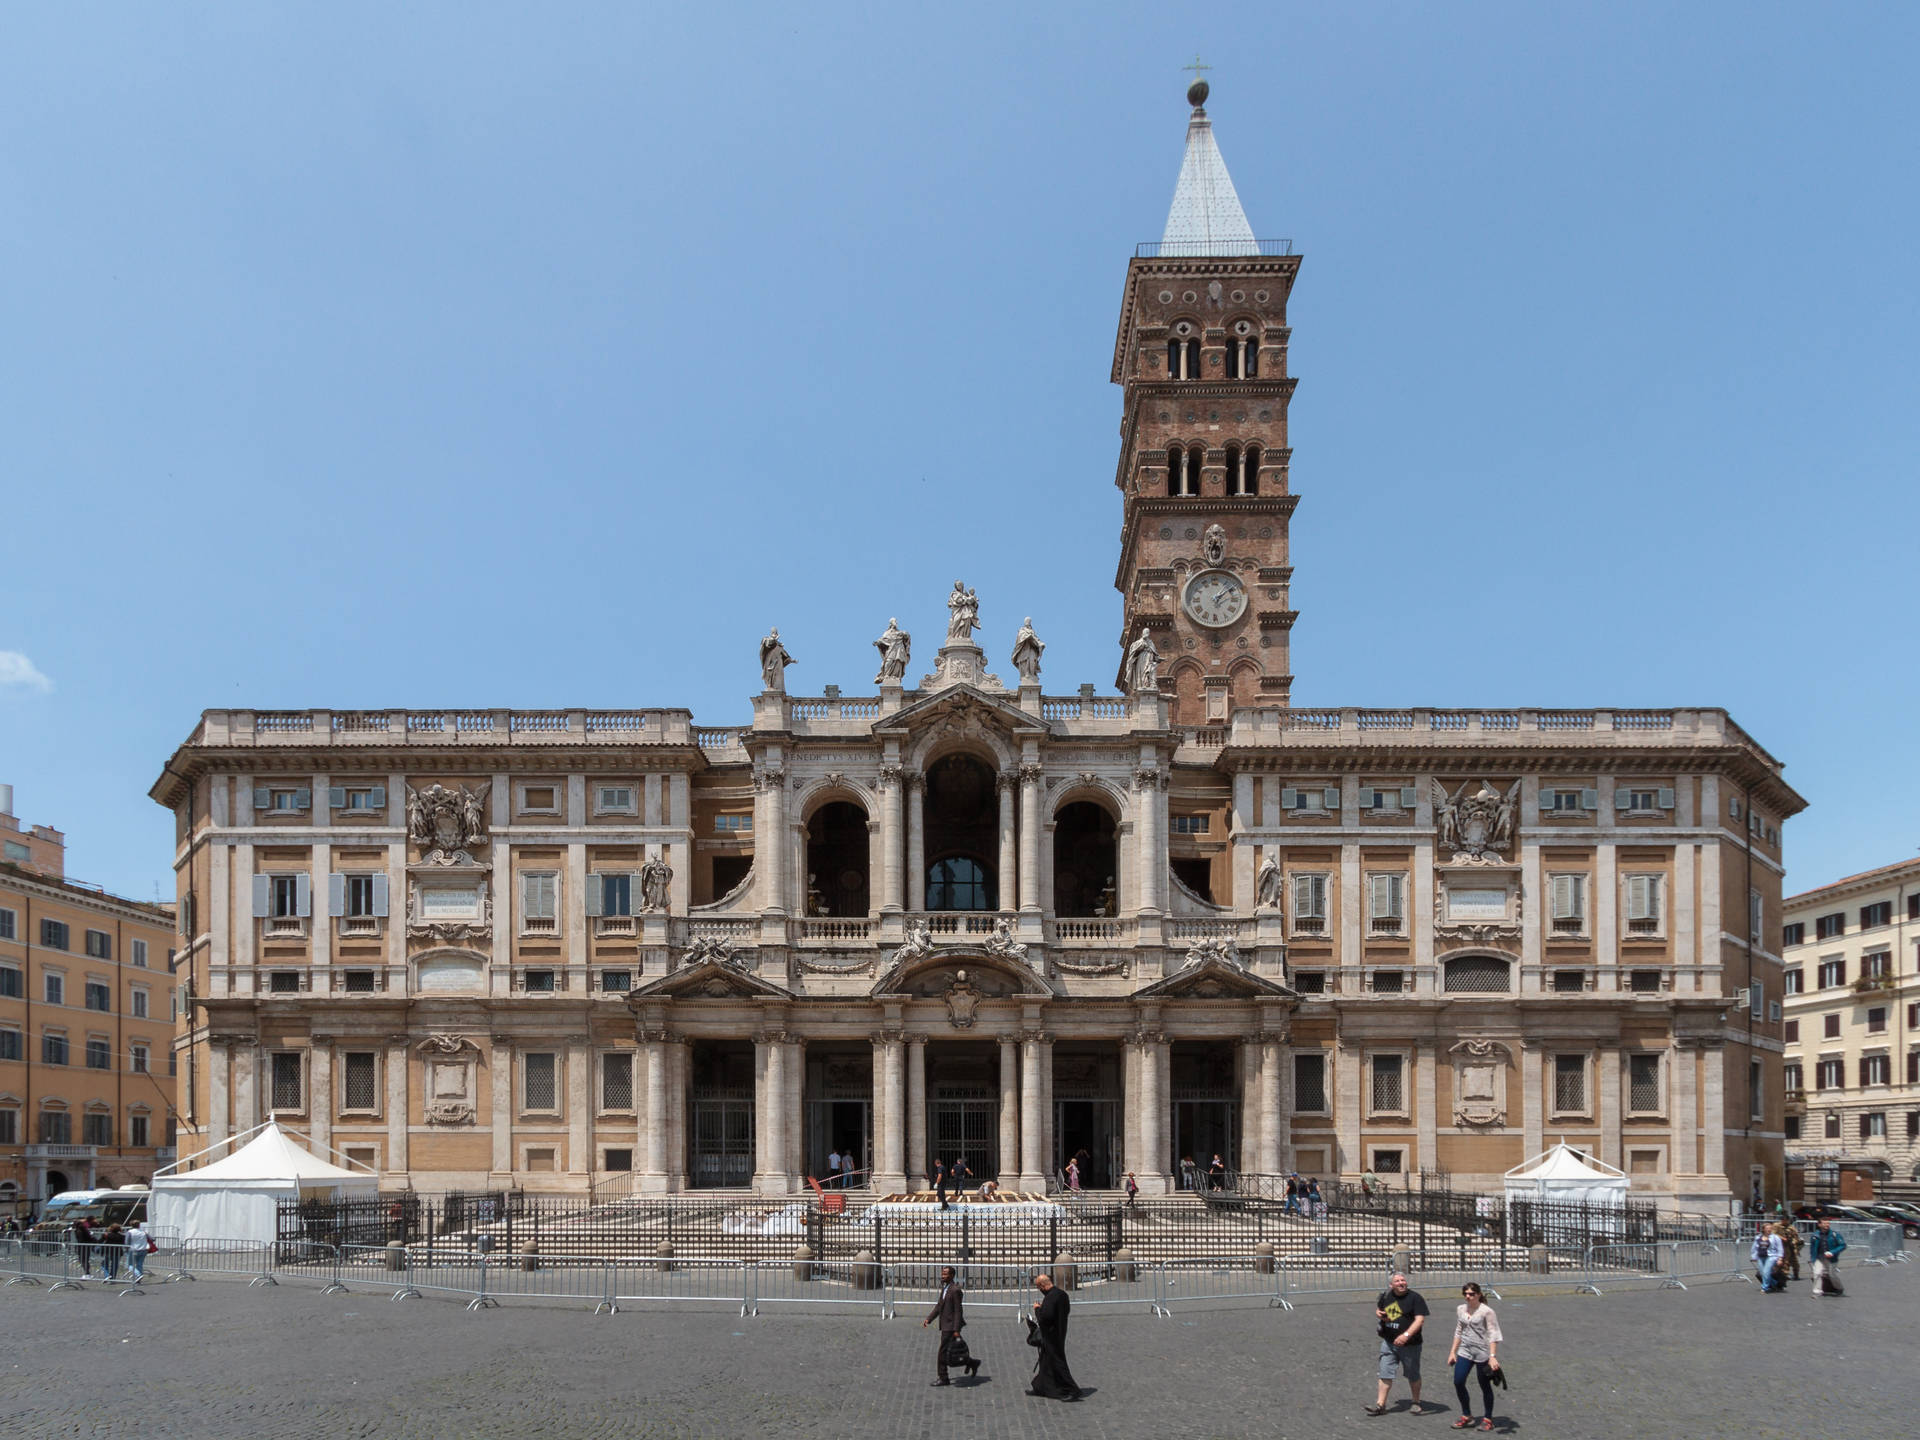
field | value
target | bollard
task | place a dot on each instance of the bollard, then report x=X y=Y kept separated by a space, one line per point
x=1537 y=1260
x=396 y=1255
x=1263 y=1258
x=1402 y=1261
x=1318 y=1245
x=664 y=1250
x=1123 y=1268
x=866 y=1274
x=530 y=1255
x=803 y=1262
x=1066 y=1274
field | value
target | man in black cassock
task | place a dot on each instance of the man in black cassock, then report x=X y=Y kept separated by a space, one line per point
x=1047 y=1333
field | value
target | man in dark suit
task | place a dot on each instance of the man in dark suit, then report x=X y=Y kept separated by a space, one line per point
x=949 y=1310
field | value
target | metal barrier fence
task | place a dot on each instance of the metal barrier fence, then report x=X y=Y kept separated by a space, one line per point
x=1868 y=1244
x=725 y=1283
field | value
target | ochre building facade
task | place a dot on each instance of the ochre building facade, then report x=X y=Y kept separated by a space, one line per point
x=958 y=915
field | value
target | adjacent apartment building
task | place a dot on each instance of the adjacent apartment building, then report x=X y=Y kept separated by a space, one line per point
x=1852 y=976
x=86 y=1026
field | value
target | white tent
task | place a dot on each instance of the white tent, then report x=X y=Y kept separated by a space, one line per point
x=237 y=1197
x=1564 y=1176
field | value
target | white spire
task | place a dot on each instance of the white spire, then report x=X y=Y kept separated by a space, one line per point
x=1206 y=218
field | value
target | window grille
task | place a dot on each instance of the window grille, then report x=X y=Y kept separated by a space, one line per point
x=358 y=1083
x=1478 y=974
x=1389 y=1090
x=616 y=1080
x=1570 y=1084
x=541 y=1093
x=286 y=1080
x=1643 y=1082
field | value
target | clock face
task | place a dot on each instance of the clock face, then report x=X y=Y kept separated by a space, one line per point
x=1216 y=598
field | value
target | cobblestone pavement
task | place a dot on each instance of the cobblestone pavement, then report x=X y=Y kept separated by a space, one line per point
x=216 y=1359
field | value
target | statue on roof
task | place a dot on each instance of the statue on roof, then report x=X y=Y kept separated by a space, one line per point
x=894 y=646
x=964 y=617
x=1143 y=665
x=774 y=660
x=1026 y=653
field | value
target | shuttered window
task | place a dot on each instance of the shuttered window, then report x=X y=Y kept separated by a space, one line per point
x=1643 y=904
x=1569 y=904
x=1386 y=903
x=1309 y=901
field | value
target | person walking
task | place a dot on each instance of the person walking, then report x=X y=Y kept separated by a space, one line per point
x=1073 y=1176
x=949 y=1309
x=1827 y=1245
x=1217 y=1173
x=1768 y=1251
x=1476 y=1348
x=138 y=1245
x=1293 y=1195
x=1047 y=1333
x=1789 y=1234
x=1316 y=1207
x=961 y=1175
x=83 y=1244
x=1133 y=1190
x=833 y=1169
x=113 y=1245
x=940 y=1183
x=1189 y=1173
x=1400 y=1315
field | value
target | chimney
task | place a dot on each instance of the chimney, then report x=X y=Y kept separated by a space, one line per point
x=6 y=799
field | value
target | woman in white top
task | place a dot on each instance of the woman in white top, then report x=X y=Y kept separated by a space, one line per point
x=1476 y=1347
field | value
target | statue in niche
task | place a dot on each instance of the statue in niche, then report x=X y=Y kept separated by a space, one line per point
x=1108 y=903
x=1214 y=544
x=1477 y=825
x=447 y=823
x=1143 y=665
x=894 y=646
x=1268 y=890
x=1002 y=943
x=656 y=882
x=963 y=619
x=774 y=660
x=1026 y=653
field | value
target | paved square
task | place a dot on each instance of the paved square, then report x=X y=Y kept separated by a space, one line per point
x=216 y=1359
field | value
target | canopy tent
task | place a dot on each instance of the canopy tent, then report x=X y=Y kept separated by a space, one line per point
x=1564 y=1176
x=237 y=1197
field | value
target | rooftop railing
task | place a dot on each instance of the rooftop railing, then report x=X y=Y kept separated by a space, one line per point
x=1209 y=249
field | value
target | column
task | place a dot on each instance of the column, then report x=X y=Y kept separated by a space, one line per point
x=1152 y=849
x=770 y=851
x=1278 y=1078
x=653 y=1171
x=1532 y=1118
x=1346 y=1109
x=1030 y=823
x=398 y=1115
x=1253 y=1104
x=892 y=893
x=876 y=867
x=320 y=1097
x=1608 y=1080
x=889 y=1150
x=581 y=1159
x=1012 y=893
x=1713 y=1118
x=1606 y=912
x=770 y=1149
x=1352 y=901
x=1425 y=1099
x=1009 y=1112
x=916 y=1110
x=1035 y=1053
x=916 y=843
x=679 y=1071
x=1154 y=1140
x=500 y=1062
x=794 y=1112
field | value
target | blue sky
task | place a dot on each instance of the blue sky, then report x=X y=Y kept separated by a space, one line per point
x=365 y=355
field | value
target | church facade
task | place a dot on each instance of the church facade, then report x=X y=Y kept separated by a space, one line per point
x=957 y=915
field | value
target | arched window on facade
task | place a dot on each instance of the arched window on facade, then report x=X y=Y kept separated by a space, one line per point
x=960 y=882
x=1478 y=975
x=1233 y=469
x=837 y=853
x=1248 y=471
x=1183 y=359
x=1085 y=860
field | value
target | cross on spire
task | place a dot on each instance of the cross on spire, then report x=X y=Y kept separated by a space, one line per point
x=1196 y=66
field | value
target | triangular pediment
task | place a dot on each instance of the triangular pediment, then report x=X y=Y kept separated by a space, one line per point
x=708 y=980
x=962 y=705
x=1212 y=979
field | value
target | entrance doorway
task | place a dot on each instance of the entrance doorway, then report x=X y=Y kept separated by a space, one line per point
x=833 y=1128
x=1206 y=1106
x=720 y=1131
x=967 y=1128
x=1089 y=1130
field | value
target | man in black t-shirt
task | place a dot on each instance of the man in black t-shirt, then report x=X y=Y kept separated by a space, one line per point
x=1401 y=1315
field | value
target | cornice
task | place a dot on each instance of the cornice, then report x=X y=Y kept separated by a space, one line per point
x=1283 y=268
x=65 y=892
x=1216 y=507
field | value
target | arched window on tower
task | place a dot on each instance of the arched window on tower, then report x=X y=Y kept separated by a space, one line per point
x=1183 y=359
x=1243 y=352
x=1176 y=469
x=1233 y=469
x=1196 y=457
x=1249 y=471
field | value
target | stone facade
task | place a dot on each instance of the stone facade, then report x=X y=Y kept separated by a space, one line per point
x=960 y=915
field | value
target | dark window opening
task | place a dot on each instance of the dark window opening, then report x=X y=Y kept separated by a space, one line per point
x=958 y=883
x=837 y=854
x=728 y=872
x=962 y=829
x=1085 y=860
x=1196 y=875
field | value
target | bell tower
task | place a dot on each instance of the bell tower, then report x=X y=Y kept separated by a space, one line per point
x=1202 y=355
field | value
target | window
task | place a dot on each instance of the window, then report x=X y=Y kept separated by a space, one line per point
x=958 y=883
x=1643 y=801
x=1191 y=824
x=1478 y=975
x=1873 y=1126
x=613 y=800
x=1243 y=353
x=286 y=896
x=1387 y=904
x=1877 y=1020
x=616 y=1080
x=538 y=1078
x=137 y=953
x=539 y=902
x=1388 y=799
x=1756 y=1090
x=1828 y=926
x=1756 y=914
x=1310 y=982
x=1644 y=982
x=618 y=1160
x=359 y=982
x=12 y=982
x=54 y=987
x=1833 y=972
x=1243 y=469
x=10 y=1048
x=9 y=925
x=99 y=1054
x=1791 y=1128
x=1913 y=1067
x=1388 y=982
x=1913 y=1016
x=1310 y=904
x=53 y=935
x=1183 y=358
x=1643 y=904
x=1388 y=1162
x=98 y=997
x=1389 y=1090
x=1570 y=1084
x=282 y=799
x=18 y=854
x=357 y=799
x=53 y=1049
x=614 y=892
x=1913 y=906
x=1643 y=1083
x=1792 y=1033
x=283 y=982
x=1875 y=915
x=1830 y=1074
x=1876 y=1070
x=359 y=1081
x=9 y=1127
x=99 y=945
x=1830 y=1027
x=96 y=1129
x=1833 y=1127
x=1568 y=802
x=1569 y=982
x=540 y=799
x=1791 y=1078
x=1877 y=966
x=732 y=824
x=56 y=1127
x=538 y=982
x=1310 y=1084
x=1312 y=797
x=286 y=1079
x=138 y=1128
x=616 y=982
x=1569 y=904
x=1794 y=934
x=1913 y=1124
x=365 y=896
x=138 y=1055
x=1793 y=982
